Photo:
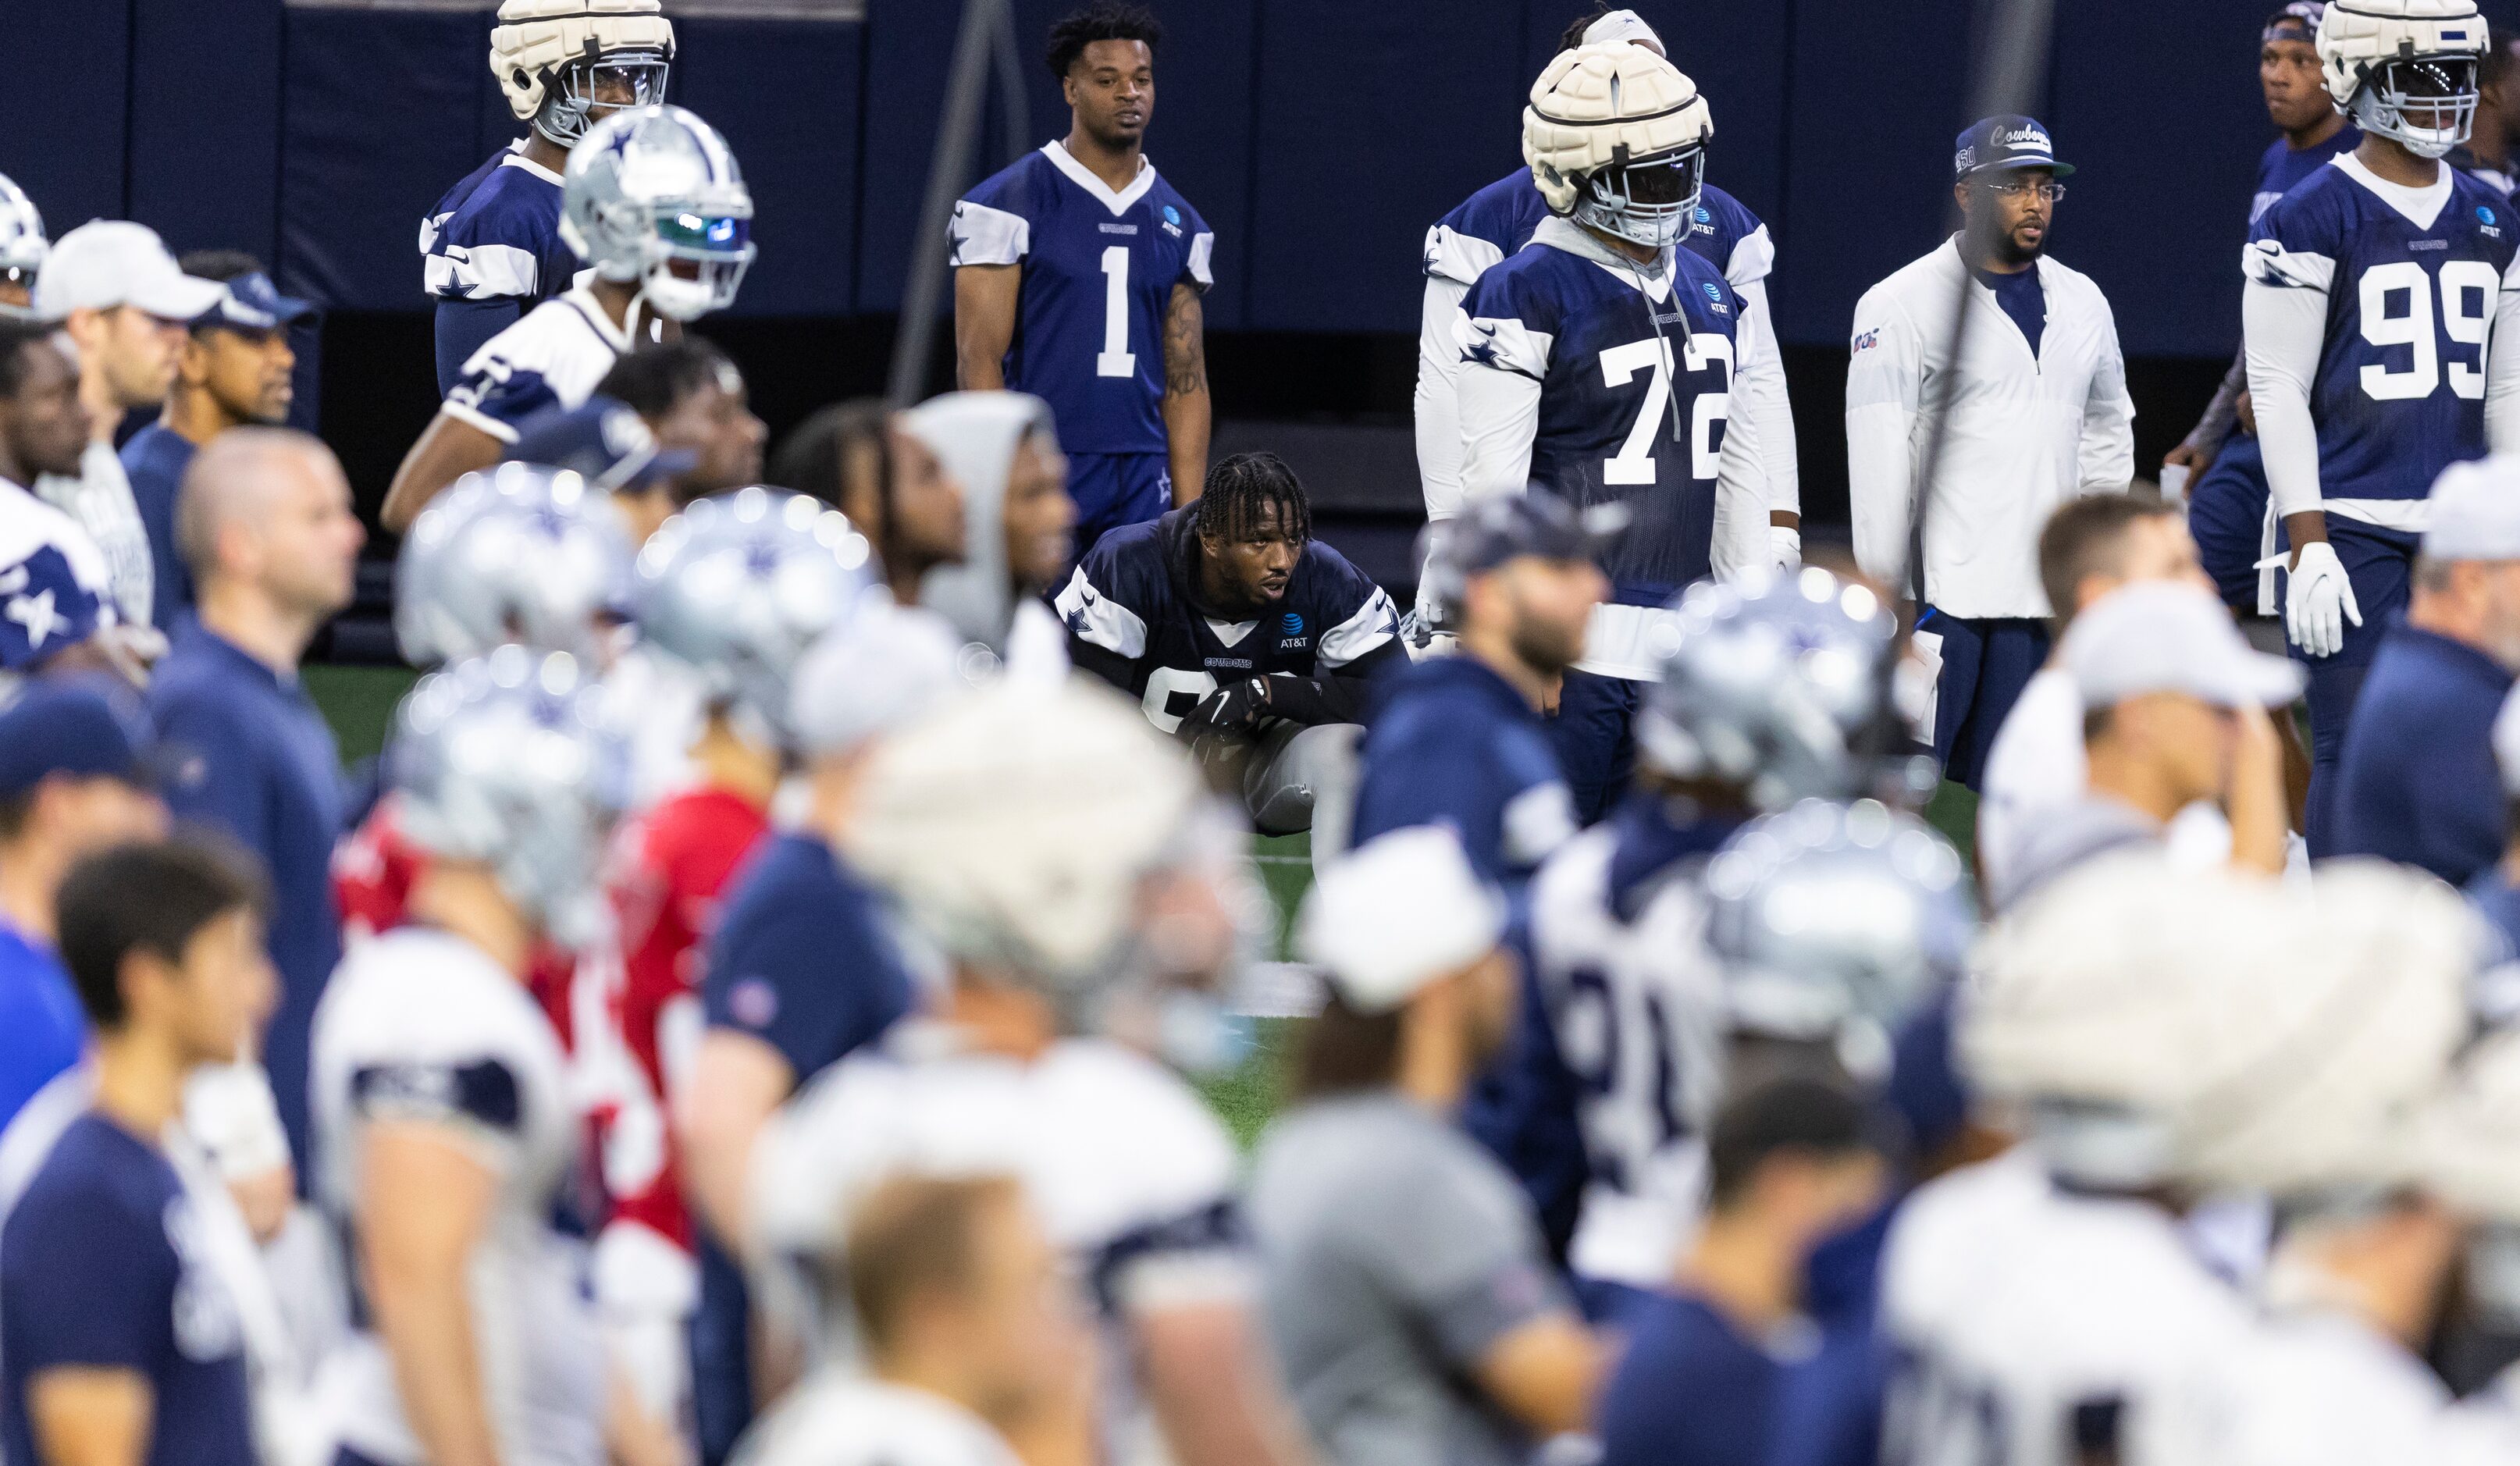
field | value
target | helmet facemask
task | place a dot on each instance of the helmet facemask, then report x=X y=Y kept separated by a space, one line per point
x=2441 y=89
x=698 y=255
x=1650 y=200
x=614 y=80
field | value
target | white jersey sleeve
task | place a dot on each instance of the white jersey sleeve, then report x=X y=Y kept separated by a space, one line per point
x=1884 y=381
x=1438 y=411
x=2284 y=321
x=552 y=357
x=2502 y=367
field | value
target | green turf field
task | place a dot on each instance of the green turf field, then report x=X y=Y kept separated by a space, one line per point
x=359 y=702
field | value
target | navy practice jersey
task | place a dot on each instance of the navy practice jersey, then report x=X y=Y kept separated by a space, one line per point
x=1636 y=377
x=2283 y=166
x=2399 y=393
x=1496 y=221
x=1131 y=598
x=496 y=235
x=1099 y=270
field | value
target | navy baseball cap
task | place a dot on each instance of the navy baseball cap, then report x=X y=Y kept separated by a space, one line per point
x=1536 y=523
x=84 y=726
x=2006 y=142
x=604 y=442
x=253 y=303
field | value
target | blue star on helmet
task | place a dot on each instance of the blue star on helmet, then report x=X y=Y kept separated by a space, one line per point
x=760 y=558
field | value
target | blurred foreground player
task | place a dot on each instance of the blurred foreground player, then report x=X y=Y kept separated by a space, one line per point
x=1597 y=366
x=22 y=247
x=1077 y=277
x=1460 y=739
x=1062 y=856
x=2361 y=402
x=1003 y=452
x=448 y=1126
x=1409 y=1290
x=1235 y=629
x=136 y=1321
x=492 y=248
x=656 y=204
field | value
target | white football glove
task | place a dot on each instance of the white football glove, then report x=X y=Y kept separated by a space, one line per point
x=2320 y=600
x=1785 y=548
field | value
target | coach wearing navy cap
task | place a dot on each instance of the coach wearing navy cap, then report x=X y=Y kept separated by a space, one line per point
x=236 y=368
x=2416 y=780
x=75 y=776
x=1460 y=740
x=2038 y=414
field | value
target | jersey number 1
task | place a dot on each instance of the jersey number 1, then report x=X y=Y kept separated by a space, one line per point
x=1635 y=463
x=2414 y=328
x=1115 y=359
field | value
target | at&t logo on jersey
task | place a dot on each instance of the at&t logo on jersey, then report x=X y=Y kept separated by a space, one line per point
x=1715 y=297
x=1172 y=221
x=1291 y=633
x=2485 y=224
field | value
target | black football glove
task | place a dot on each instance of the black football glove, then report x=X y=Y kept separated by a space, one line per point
x=1236 y=708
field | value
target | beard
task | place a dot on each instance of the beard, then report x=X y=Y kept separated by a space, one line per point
x=1546 y=649
x=2009 y=248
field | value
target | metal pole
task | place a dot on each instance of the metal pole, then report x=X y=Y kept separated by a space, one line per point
x=958 y=131
x=1010 y=90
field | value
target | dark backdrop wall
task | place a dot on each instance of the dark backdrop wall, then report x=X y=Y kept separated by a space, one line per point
x=1320 y=137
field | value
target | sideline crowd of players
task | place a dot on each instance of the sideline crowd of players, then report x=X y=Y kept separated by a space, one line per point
x=752 y=1011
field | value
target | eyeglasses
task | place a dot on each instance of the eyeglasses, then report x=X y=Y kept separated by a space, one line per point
x=2048 y=191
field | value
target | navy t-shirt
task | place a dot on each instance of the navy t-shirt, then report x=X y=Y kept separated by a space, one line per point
x=2023 y=299
x=41 y=1027
x=257 y=761
x=2415 y=781
x=155 y=461
x=1689 y=1391
x=801 y=959
x=101 y=1268
x=1456 y=746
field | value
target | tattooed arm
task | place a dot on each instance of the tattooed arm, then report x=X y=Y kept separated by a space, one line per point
x=1186 y=409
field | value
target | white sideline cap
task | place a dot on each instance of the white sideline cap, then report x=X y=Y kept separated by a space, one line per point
x=2159 y=637
x=2475 y=509
x=1396 y=913
x=108 y=262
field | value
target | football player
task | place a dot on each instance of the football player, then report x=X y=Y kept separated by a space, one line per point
x=491 y=249
x=734 y=589
x=2157 y=1032
x=21 y=248
x=1057 y=852
x=1498 y=220
x=1598 y=365
x=2374 y=290
x=1077 y=273
x=1763 y=701
x=697 y=405
x=446 y=1123
x=656 y=204
x=56 y=595
x=1231 y=625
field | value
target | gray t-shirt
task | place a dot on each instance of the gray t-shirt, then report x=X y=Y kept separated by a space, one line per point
x=1394 y=1252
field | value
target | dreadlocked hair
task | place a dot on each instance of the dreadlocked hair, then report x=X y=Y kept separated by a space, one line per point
x=1242 y=488
x=1573 y=36
x=1101 y=21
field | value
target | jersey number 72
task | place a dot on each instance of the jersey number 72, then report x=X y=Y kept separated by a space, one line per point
x=1634 y=462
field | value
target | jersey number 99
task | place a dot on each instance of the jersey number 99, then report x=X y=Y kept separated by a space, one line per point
x=2464 y=282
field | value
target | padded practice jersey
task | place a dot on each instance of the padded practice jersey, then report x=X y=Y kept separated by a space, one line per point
x=419 y=1026
x=1633 y=370
x=2399 y=391
x=1099 y=270
x=1131 y=598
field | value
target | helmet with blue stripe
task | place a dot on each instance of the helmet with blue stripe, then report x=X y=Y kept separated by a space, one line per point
x=22 y=246
x=653 y=195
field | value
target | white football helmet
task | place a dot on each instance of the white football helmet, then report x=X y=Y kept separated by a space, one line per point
x=1020 y=825
x=651 y=194
x=738 y=586
x=2385 y=59
x=557 y=60
x=2467 y=1152
x=508 y=760
x=1616 y=138
x=22 y=246
x=2154 y=1024
x=517 y=554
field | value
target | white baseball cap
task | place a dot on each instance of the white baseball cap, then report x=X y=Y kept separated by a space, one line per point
x=876 y=671
x=2161 y=636
x=2475 y=510
x=108 y=262
x=1396 y=913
